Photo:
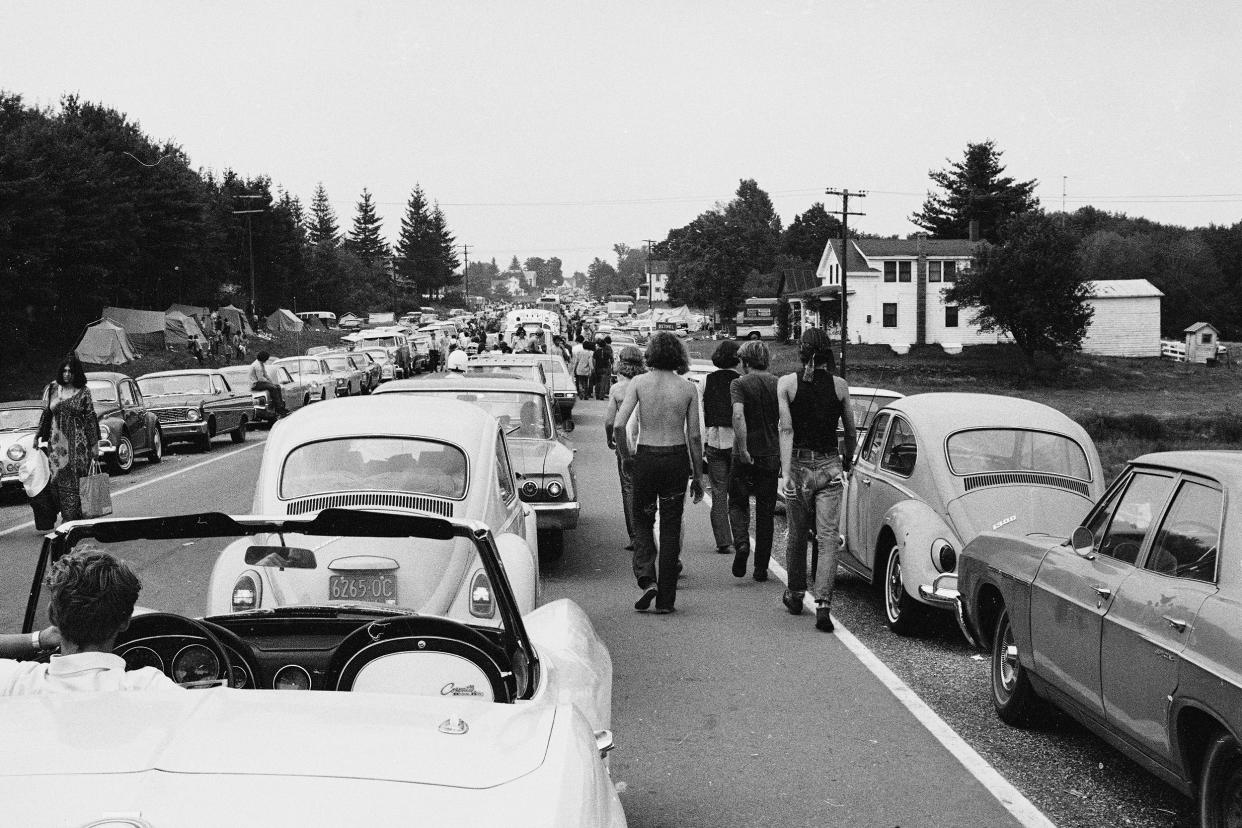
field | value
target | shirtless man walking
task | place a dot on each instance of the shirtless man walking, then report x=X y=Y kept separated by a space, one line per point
x=670 y=451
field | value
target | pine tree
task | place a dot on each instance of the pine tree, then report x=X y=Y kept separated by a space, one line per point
x=365 y=239
x=323 y=232
x=416 y=247
x=446 y=251
x=975 y=189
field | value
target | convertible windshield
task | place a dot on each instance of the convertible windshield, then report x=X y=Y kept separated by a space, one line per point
x=19 y=419
x=370 y=464
x=175 y=385
x=515 y=410
x=103 y=391
x=1010 y=449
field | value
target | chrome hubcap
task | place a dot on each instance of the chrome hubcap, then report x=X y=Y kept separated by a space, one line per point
x=124 y=453
x=895 y=588
x=1007 y=652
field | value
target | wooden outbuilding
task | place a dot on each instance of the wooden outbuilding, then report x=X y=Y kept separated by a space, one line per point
x=1202 y=343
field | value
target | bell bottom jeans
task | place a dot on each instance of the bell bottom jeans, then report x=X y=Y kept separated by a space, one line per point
x=661 y=474
x=816 y=505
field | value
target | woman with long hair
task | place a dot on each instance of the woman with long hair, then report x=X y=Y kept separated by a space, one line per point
x=69 y=433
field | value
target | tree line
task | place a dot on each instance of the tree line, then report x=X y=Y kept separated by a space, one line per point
x=94 y=212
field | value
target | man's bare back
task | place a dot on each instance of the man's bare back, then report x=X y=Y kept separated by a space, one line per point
x=667 y=411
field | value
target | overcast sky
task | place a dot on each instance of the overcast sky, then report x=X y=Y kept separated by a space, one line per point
x=561 y=128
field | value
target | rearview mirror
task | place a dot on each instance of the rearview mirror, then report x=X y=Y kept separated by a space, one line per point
x=282 y=557
x=1083 y=542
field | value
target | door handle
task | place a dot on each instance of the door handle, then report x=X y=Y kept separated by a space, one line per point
x=1103 y=592
x=866 y=480
x=1175 y=623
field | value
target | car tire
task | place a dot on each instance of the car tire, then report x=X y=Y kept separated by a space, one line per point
x=1012 y=694
x=902 y=613
x=323 y=394
x=156 y=454
x=551 y=544
x=1220 y=783
x=754 y=335
x=305 y=400
x=238 y=435
x=122 y=461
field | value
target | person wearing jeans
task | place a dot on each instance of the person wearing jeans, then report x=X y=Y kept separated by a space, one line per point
x=756 y=458
x=811 y=403
x=718 y=419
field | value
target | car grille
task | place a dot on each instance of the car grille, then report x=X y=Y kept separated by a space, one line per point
x=976 y=481
x=171 y=415
x=385 y=500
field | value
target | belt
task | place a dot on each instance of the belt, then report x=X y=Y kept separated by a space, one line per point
x=801 y=452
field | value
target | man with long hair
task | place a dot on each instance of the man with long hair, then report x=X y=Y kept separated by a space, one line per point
x=670 y=451
x=756 y=458
x=629 y=365
x=812 y=402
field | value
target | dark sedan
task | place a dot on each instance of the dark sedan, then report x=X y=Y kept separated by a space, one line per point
x=127 y=428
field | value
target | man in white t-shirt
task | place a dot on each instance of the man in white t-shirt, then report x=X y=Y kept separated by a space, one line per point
x=92 y=598
x=457 y=360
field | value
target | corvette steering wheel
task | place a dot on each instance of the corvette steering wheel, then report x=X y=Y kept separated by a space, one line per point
x=163 y=624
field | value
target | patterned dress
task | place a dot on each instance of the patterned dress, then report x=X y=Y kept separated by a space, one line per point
x=71 y=429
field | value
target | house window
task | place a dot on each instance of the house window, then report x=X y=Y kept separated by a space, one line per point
x=890 y=314
x=890 y=271
x=950 y=316
x=933 y=271
x=950 y=271
x=1207 y=339
x=903 y=271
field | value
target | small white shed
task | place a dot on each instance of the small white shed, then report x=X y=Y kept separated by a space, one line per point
x=1201 y=343
x=1126 y=322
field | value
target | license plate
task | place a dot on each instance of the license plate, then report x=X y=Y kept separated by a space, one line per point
x=378 y=587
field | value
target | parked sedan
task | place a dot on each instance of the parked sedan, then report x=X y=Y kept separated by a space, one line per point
x=543 y=463
x=313 y=373
x=371 y=371
x=194 y=406
x=556 y=377
x=127 y=426
x=346 y=375
x=481 y=715
x=936 y=470
x=1131 y=624
x=19 y=422
x=387 y=368
x=296 y=394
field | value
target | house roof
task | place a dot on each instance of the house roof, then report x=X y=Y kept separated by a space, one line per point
x=856 y=263
x=876 y=248
x=1123 y=289
x=818 y=292
x=1198 y=326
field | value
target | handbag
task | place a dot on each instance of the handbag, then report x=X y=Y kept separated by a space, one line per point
x=95 y=493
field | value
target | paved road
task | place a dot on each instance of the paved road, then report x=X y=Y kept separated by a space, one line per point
x=728 y=713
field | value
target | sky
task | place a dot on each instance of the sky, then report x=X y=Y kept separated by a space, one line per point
x=562 y=128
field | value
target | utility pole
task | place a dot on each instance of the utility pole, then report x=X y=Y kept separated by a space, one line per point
x=647 y=268
x=845 y=258
x=250 y=244
x=465 y=273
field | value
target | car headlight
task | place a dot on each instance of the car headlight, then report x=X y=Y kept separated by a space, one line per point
x=944 y=556
x=530 y=488
x=555 y=489
x=104 y=432
x=16 y=452
x=482 y=604
x=247 y=592
x=193 y=414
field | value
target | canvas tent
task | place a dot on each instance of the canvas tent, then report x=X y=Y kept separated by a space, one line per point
x=236 y=319
x=284 y=320
x=104 y=344
x=145 y=328
x=178 y=328
x=200 y=313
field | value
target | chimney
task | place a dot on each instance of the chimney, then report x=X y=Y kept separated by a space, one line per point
x=974 y=230
x=920 y=294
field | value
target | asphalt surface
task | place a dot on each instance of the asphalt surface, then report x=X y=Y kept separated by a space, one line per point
x=732 y=712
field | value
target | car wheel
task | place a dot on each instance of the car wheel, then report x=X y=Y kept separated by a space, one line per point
x=551 y=544
x=753 y=335
x=305 y=400
x=123 y=458
x=902 y=612
x=156 y=454
x=238 y=435
x=323 y=394
x=1012 y=694
x=1220 y=784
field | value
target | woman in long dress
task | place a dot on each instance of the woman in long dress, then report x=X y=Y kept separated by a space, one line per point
x=70 y=431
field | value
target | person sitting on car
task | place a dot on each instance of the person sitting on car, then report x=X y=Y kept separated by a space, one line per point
x=261 y=380
x=92 y=598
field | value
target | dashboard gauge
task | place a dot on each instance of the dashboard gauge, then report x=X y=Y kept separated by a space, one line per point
x=239 y=679
x=292 y=677
x=138 y=657
x=195 y=663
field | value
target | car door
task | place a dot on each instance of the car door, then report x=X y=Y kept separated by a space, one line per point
x=1072 y=593
x=1153 y=614
x=860 y=543
x=133 y=414
x=228 y=412
x=890 y=483
x=149 y=423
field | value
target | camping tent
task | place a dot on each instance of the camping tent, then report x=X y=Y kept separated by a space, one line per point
x=284 y=320
x=178 y=328
x=104 y=344
x=198 y=312
x=236 y=319
x=145 y=328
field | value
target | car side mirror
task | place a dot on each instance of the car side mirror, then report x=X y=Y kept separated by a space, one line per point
x=281 y=557
x=1083 y=542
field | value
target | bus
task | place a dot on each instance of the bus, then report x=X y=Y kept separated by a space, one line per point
x=620 y=304
x=758 y=319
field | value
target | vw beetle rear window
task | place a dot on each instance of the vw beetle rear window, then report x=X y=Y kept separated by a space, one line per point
x=1016 y=450
x=369 y=464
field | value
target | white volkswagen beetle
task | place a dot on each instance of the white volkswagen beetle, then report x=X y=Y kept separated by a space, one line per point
x=399 y=454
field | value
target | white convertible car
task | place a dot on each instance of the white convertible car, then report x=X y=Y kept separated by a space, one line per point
x=400 y=454
x=403 y=718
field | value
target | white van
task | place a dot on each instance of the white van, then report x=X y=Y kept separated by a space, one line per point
x=326 y=319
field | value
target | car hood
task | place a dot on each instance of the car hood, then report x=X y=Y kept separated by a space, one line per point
x=176 y=401
x=538 y=456
x=362 y=736
x=8 y=438
x=1018 y=510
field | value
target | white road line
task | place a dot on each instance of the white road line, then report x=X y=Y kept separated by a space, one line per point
x=152 y=481
x=1010 y=797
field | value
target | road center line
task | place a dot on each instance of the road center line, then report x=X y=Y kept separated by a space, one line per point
x=1010 y=797
x=153 y=480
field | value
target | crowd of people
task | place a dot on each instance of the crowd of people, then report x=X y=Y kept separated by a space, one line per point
x=759 y=429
